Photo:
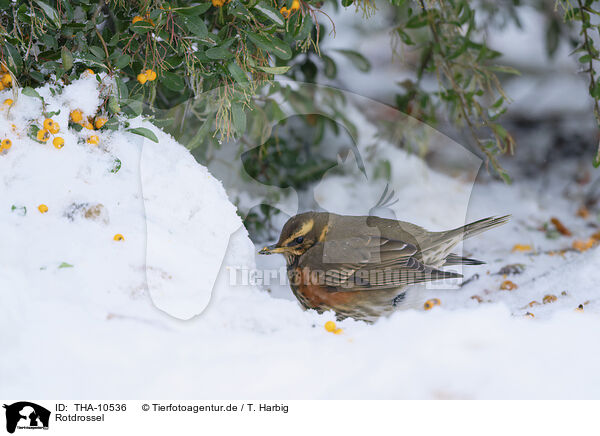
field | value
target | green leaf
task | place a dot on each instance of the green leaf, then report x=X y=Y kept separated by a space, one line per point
x=142 y=131
x=31 y=92
x=274 y=70
x=197 y=26
x=15 y=63
x=271 y=13
x=505 y=69
x=241 y=12
x=50 y=12
x=194 y=9
x=358 y=60
x=219 y=53
x=67 y=58
x=330 y=67
x=238 y=74
x=239 y=117
x=97 y=51
x=122 y=61
x=65 y=265
x=172 y=81
x=141 y=27
x=272 y=44
x=116 y=166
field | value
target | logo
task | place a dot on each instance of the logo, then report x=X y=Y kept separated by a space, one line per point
x=26 y=415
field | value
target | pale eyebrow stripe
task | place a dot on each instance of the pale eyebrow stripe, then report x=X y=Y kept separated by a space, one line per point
x=306 y=227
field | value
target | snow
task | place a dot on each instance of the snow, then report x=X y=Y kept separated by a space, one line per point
x=92 y=330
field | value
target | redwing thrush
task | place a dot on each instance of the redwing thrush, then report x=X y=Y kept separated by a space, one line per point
x=359 y=266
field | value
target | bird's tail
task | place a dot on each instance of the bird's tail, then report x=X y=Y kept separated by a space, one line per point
x=475 y=228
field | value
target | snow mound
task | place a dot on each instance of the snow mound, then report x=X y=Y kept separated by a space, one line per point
x=175 y=217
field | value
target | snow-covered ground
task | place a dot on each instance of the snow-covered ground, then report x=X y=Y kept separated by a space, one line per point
x=85 y=316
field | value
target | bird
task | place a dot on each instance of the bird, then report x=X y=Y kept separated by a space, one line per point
x=360 y=266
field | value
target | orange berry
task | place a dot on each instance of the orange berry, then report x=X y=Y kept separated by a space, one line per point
x=330 y=326
x=549 y=299
x=5 y=144
x=43 y=135
x=43 y=208
x=6 y=80
x=136 y=19
x=142 y=78
x=118 y=237
x=58 y=142
x=8 y=102
x=430 y=304
x=76 y=116
x=285 y=12
x=151 y=75
x=295 y=5
x=100 y=121
x=507 y=285
x=89 y=71
x=88 y=125
x=1 y=86
x=521 y=247
x=93 y=140
x=49 y=124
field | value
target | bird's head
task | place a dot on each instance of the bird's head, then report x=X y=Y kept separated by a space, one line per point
x=299 y=234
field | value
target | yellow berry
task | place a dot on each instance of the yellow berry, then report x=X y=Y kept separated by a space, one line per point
x=100 y=121
x=338 y=331
x=48 y=124
x=330 y=326
x=151 y=75
x=6 y=80
x=142 y=78
x=76 y=116
x=43 y=208
x=93 y=140
x=8 y=102
x=55 y=128
x=218 y=3
x=43 y=135
x=89 y=71
x=1 y=86
x=5 y=144
x=88 y=125
x=295 y=5
x=285 y=12
x=430 y=304
x=118 y=237
x=136 y=19
x=549 y=298
x=58 y=142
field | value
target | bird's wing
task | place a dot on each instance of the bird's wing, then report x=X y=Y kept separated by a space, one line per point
x=368 y=263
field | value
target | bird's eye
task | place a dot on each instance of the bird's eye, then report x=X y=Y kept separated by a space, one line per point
x=299 y=240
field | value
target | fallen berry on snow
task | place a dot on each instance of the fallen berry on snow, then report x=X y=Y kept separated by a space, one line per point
x=430 y=304
x=549 y=298
x=579 y=308
x=43 y=208
x=330 y=326
x=507 y=285
x=5 y=144
x=583 y=212
x=58 y=142
x=521 y=247
x=8 y=101
x=530 y=315
x=118 y=237
x=93 y=140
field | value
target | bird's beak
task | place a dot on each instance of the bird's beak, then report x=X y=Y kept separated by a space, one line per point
x=270 y=249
